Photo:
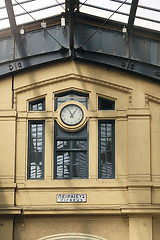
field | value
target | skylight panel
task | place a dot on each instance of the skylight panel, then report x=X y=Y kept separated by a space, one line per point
x=117 y=10
x=30 y=10
x=4 y=22
x=27 y=11
x=148 y=14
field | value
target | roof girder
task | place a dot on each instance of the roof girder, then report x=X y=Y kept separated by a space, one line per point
x=132 y=15
x=11 y=17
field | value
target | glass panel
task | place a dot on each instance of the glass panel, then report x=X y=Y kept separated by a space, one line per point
x=59 y=169
x=63 y=165
x=35 y=171
x=33 y=145
x=79 y=165
x=106 y=150
x=106 y=9
x=147 y=15
x=75 y=162
x=79 y=97
x=71 y=164
x=117 y=10
x=72 y=145
x=33 y=131
x=71 y=154
x=63 y=144
x=80 y=145
x=38 y=105
x=31 y=10
x=83 y=166
x=35 y=154
x=104 y=104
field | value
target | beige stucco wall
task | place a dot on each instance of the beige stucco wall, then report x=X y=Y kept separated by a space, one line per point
x=136 y=187
x=6 y=229
x=99 y=226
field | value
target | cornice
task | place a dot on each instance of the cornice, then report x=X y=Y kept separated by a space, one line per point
x=10 y=211
x=73 y=77
x=7 y=114
x=98 y=210
x=152 y=98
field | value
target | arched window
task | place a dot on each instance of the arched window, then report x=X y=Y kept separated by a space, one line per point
x=72 y=236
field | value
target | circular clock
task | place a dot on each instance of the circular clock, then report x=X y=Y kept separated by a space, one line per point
x=71 y=114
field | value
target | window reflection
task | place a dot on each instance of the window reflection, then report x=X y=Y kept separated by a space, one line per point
x=38 y=105
x=106 y=154
x=71 y=154
x=71 y=96
x=35 y=150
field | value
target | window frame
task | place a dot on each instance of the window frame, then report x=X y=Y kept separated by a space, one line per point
x=112 y=121
x=112 y=102
x=29 y=148
x=36 y=102
x=86 y=138
x=72 y=92
x=76 y=97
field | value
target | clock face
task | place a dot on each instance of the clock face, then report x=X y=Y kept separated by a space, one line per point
x=71 y=114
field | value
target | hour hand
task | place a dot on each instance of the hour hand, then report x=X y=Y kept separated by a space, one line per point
x=71 y=114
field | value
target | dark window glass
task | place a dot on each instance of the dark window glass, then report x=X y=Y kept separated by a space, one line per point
x=38 y=105
x=71 y=154
x=105 y=104
x=106 y=149
x=71 y=96
x=36 y=150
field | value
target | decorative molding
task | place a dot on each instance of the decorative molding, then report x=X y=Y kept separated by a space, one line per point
x=130 y=99
x=8 y=114
x=152 y=98
x=138 y=112
x=98 y=210
x=10 y=210
x=73 y=77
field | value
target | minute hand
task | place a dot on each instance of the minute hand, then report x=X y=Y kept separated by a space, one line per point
x=74 y=111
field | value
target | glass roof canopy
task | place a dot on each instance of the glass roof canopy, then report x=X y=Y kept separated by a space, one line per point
x=147 y=15
x=26 y=11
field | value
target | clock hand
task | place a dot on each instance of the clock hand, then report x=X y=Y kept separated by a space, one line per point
x=74 y=111
x=71 y=114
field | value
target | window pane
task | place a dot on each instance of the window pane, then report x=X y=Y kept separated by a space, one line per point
x=38 y=105
x=82 y=166
x=71 y=96
x=80 y=145
x=71 y=158
x=79 y=165
x=63 y=144
x=105 y=104
x=36 y=150
x=106 y=149
x=63 y=165
x=71 y=165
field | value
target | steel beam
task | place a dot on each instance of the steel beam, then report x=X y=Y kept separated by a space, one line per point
x=11 y=17
x=136 y=67
x=17 y=65
x=71 y=8
x=132 y=15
